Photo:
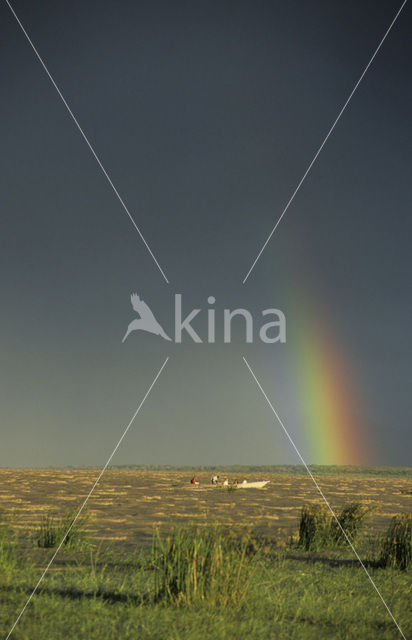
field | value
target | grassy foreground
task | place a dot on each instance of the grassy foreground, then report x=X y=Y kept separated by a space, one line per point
x=199 y=584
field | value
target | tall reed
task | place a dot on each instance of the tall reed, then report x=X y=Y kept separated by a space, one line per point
x=318 y=529
x=209 y=563
x=397 y=544
x=352 y=519
x=53 y=530
x=314 y=527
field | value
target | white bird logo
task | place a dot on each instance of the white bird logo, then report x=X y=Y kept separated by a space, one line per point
x=146 y=322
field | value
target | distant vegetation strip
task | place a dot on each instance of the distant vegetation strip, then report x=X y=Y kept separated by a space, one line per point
x=299 y=470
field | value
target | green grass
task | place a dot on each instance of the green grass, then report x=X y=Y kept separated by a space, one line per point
x=8 y=556
x=318 y=529
x=397 y=545
x=199 y=583
x=202 y=564
x=53 y=530
x=314 y=527
x=352 y=519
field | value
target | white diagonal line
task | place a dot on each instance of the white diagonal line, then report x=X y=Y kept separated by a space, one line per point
x=85 y=138
x=87 y=497
x=322 y=495
x=325 y=140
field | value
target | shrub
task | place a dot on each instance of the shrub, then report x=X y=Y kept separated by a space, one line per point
x=352 y=519
x=210 y=564
x=397 y=544
x=52 y=532
x=314 y=527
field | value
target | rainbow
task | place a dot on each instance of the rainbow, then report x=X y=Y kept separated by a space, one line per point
x=331 y=416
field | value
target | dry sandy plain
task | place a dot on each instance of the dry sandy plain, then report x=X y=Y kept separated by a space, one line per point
x=127 y=504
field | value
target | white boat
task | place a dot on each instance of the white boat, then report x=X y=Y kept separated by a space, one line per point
x=252 y=485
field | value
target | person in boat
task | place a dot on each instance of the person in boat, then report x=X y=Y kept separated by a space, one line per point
x=235 y=482
x=226 y=482
x=194 y=480
x=215 y=479
x=244 y=481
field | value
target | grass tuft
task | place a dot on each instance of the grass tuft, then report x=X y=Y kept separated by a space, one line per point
x=52 y=532
x=48 y=533
x=397 y=545
x=314 y=527
x=318 y=530
x=352 y=520
x=209 y=564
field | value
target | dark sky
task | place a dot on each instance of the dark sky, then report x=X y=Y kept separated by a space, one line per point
x=205 y=115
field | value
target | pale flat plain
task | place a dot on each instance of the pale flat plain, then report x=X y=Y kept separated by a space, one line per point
x=126 y=505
